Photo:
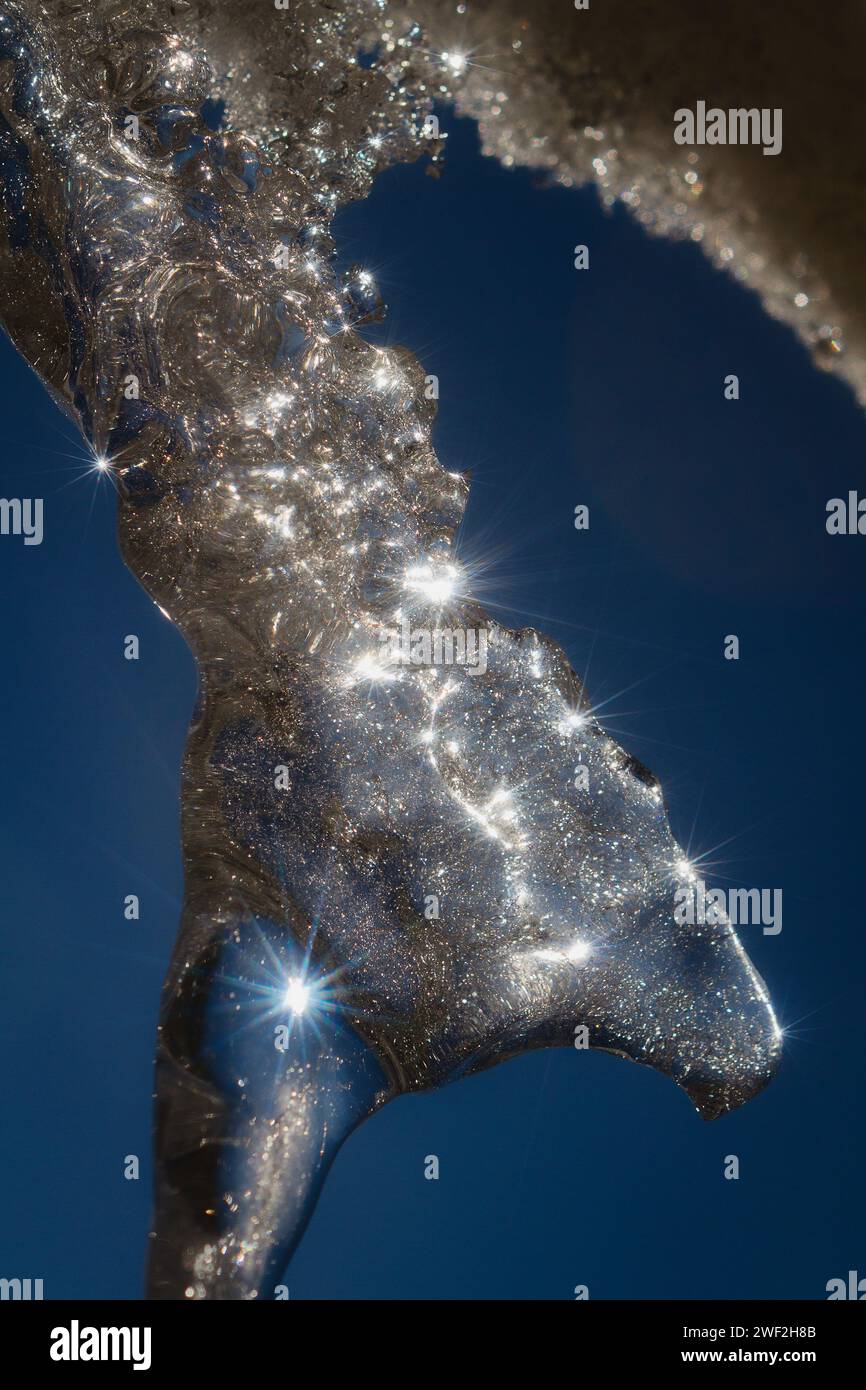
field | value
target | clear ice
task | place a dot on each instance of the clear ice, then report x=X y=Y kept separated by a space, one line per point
x=394 y=875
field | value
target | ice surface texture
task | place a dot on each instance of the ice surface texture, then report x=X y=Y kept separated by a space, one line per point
x=395 y=874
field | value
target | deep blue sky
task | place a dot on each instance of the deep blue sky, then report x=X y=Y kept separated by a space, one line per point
x=707 y=518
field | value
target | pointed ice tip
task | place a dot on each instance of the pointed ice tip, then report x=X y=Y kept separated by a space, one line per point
x=716 y=1096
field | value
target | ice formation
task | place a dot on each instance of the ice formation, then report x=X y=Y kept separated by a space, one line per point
x=396 y=871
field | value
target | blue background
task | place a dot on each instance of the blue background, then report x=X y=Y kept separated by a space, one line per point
x=558 y=387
